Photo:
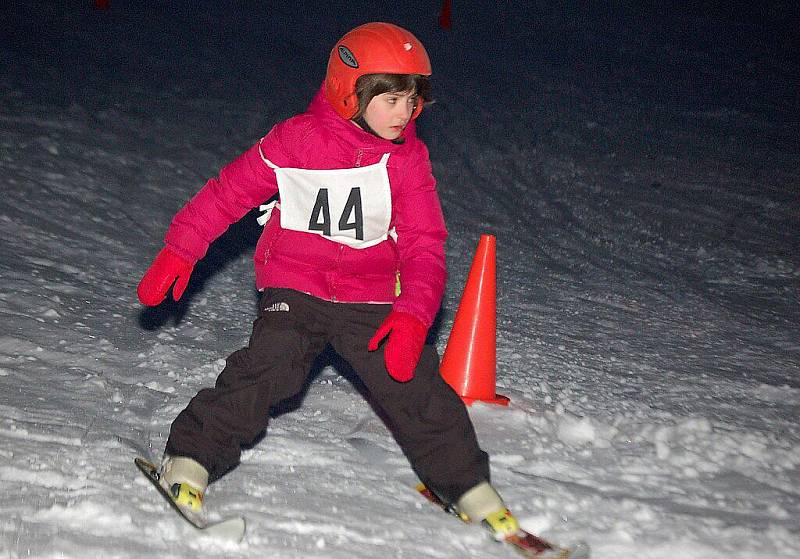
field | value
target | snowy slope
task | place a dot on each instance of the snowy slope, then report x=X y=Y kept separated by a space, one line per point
x=639 y=169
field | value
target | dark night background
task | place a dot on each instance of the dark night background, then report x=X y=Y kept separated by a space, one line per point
x=637 y=163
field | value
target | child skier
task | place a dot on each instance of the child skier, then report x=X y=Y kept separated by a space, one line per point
x=351 y=255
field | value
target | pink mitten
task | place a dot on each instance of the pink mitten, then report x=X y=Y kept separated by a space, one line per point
x=406 y=340
x=166 y=269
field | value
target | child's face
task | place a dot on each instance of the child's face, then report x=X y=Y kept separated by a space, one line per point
x=388 y=113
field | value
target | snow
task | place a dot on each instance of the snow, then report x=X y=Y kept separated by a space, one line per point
x=638 y=167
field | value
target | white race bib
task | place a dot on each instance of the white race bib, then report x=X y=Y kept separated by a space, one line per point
x=348 y=206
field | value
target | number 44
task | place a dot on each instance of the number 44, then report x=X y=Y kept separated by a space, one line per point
x=351 y=218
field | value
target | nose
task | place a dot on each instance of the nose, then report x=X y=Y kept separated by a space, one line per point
x=406 y=111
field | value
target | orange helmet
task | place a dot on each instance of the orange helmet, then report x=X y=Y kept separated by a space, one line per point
x=372 y=48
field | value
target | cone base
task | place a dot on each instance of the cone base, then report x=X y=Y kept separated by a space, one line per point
x=498 y=400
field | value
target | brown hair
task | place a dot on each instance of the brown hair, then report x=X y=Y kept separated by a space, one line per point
x=370 y=85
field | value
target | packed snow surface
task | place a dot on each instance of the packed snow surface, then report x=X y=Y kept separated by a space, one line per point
x=638 y=168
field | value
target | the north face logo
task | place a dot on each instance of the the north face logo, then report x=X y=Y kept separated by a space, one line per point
x=277 y=307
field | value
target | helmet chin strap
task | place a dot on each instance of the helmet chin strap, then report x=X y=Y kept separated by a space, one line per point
x=362 y=123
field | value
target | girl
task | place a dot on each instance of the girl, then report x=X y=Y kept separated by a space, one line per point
x=351 y=255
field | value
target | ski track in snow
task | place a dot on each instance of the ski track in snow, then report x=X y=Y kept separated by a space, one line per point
x=638 y=169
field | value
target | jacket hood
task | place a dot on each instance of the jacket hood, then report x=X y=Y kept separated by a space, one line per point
x=321 y=108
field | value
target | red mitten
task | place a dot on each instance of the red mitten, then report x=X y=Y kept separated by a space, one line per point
x=406 y=340
x=166 y=269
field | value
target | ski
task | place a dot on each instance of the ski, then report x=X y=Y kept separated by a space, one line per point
x=523 y=542
x=231 y=529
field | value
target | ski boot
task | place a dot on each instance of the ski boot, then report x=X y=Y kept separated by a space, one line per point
x=482 y=504
x=186 y=482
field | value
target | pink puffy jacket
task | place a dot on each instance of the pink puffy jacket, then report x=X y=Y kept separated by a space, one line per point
x=321 y=139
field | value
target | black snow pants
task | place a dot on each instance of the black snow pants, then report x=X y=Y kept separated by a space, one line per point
x=426 y=416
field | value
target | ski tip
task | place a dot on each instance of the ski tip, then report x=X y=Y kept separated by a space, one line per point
x=231 y=529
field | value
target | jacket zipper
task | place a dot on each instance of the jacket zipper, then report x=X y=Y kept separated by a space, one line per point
x=332 y=286
x=269 y=246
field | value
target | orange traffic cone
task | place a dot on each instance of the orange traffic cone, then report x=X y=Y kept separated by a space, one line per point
x=444 y=15
x=469 y=363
